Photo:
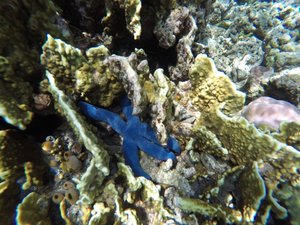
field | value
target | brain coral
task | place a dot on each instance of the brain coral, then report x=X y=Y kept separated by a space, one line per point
x=266 y=111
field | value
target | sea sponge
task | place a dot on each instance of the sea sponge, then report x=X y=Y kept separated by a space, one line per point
x=71 y=196
x=68 y=185
x=57 y=197
x=72 y=162
x=269 y=112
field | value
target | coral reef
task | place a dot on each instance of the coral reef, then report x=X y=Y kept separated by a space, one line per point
x=9 y=193
x=19 y=53
x=239 y=37
x=16 y=150
x=131 y=9
x=166 y=31
x=285 y=85
x=209 y=128
x=99 y=165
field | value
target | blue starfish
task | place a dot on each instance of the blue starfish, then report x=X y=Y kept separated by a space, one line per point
x=136 y=135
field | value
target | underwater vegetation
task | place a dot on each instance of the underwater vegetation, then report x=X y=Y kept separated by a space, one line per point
x=149 y=112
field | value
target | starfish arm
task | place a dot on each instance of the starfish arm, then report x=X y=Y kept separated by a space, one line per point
x=99 y=114
x=126 y=107
x=134 y=123
x=131 y=155
x=173 y=144
x=154 y=150
x=136 y=128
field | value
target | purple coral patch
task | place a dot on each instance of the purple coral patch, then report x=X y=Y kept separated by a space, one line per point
x=267 y=111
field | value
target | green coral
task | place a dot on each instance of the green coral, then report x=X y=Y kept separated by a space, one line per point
x=15 y=151
x=127 y=200
x=253 y=191
x=290 y=196
x=210 y=210
x=33 y=210
x=290 y=134
x=215 y=96
x=90 y=78
x=132 y=15
x=15 y=96
x=160 y=92
x=19 y=54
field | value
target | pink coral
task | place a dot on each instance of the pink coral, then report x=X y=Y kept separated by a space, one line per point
x=266 y=111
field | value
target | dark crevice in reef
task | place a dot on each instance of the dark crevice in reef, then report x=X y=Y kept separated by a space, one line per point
x=4 y=125
x=157 y=57
x=124 y=44
x=43 y=126
x=84 y=16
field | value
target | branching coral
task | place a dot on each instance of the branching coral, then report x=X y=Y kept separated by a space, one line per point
x=99 y=164
x=220 y=131
x=221 y=147
x=89 y=78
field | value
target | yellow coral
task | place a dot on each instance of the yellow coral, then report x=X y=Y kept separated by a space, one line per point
x=216 y=97
x=33 y=210
x=212 y=89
